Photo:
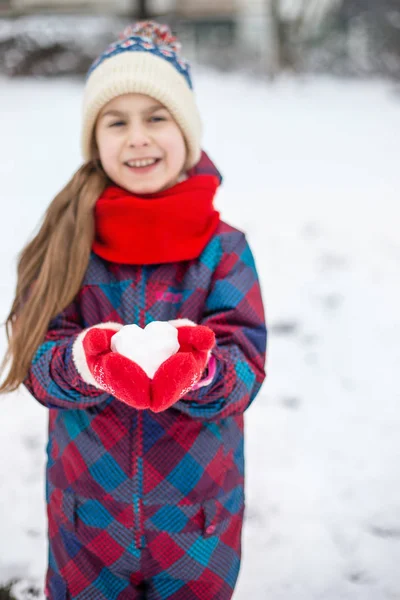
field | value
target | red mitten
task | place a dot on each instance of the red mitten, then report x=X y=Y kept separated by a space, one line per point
x=179 y=373
x=110 y=371
x=127 y=381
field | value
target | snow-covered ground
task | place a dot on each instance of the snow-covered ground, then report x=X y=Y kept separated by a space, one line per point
x=312 y=175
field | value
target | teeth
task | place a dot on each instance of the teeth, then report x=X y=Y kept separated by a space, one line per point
x=141 y=163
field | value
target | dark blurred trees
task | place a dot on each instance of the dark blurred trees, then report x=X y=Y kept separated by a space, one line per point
x=341 y=37
x=353 y=37
x=372 y=30
x=289 y=24
x=141 y=9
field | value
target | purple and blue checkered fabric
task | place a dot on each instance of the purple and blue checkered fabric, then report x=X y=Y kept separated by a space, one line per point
x=143 y=504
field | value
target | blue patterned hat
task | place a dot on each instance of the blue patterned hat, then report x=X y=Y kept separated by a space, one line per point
x=145 y=59
x=147 y=36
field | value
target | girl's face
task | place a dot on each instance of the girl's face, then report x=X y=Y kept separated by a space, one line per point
x=141 y=147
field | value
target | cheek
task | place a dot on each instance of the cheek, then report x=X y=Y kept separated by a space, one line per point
x=105 y=143
x=176 y=147
x=107 y=150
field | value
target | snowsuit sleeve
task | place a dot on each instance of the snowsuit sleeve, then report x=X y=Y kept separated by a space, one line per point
x=52 y=377
x=234 y=311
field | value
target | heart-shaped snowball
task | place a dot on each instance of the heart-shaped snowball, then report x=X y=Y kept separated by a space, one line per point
x=148 y=347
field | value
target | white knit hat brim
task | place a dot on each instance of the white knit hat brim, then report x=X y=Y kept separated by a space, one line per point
x=143 y=73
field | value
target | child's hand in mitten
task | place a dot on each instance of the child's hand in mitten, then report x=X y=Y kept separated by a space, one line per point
x=141 y=383
x=172 y=354
x=179 y=373
x=108 y=370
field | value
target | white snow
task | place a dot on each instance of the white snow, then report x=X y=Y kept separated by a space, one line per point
x=312 y=175
x=148 y=347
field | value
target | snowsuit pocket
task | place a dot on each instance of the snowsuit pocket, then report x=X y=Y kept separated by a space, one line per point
x=187 y=539
x=93 y=523
x=223 y=513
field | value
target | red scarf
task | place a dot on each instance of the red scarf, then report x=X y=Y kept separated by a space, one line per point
x=172 y=225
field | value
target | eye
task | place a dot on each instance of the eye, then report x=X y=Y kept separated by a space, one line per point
x=117 y=123
x=157 y=119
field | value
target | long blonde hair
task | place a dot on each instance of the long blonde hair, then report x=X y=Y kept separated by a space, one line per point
x=51 y=268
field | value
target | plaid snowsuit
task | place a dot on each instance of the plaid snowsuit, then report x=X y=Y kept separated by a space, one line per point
x=142 y=504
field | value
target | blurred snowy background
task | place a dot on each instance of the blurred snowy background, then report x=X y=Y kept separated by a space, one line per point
x=301 y=106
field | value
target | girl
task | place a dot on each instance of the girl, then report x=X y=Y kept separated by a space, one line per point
x=145 y=474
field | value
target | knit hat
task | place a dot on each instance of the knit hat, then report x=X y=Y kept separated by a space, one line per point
x=146 y=59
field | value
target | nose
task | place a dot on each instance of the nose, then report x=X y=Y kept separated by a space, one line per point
x=138 y=136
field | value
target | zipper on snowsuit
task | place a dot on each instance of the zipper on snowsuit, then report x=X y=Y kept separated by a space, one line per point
x=138 y=496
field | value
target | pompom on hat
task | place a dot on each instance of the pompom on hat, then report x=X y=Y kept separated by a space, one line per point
x=146 y=60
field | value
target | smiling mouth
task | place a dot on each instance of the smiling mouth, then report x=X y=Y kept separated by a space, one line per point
x=143 y=163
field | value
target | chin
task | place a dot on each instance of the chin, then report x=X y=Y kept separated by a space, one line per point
x=141 y=189
x=150 y=187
